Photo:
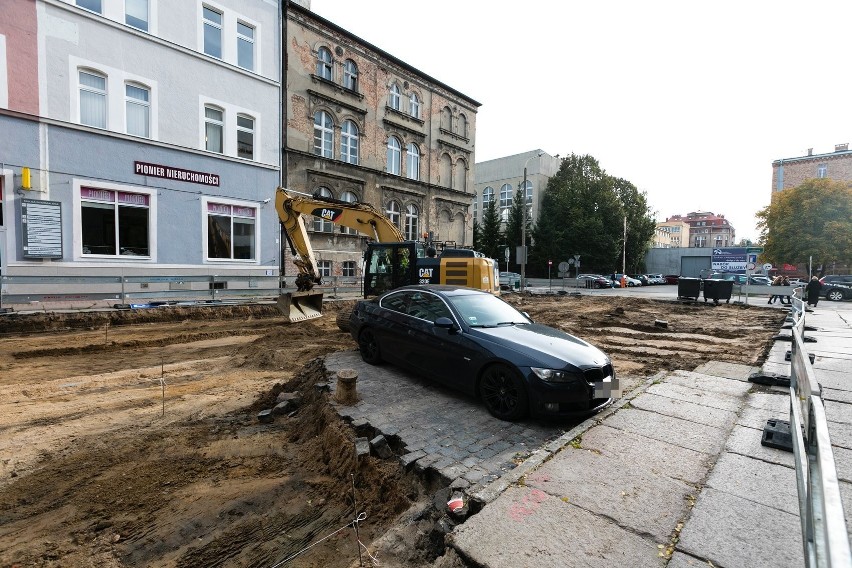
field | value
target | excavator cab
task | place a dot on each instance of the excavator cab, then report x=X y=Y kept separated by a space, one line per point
x=390 y=265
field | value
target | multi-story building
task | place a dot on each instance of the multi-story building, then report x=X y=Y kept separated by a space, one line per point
x=500 y=178
x=151 y=134
x=662 y=238
x=706 y=229
x=677 y=230
x=791 y=172
x=364 y=126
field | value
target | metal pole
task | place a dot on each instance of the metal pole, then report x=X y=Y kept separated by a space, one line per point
x=524 y=231
x=624 y=257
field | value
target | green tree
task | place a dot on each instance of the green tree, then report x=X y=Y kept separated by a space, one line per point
x=514 y=222
x=641 y=224
x=477 y=235
x=490 y=237
x=811 y=220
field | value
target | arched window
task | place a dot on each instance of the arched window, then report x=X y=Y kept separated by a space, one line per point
x=324 y=63
x=349 y=142
x=414 y=105
x=446 y=118
x=392 y=212
x=462 y=125
x=322 y=225
x=445 y=171
x=412 y=161
x=412 y=223
x=394 y=155
x=348 y=197
x=323 y=134
x=461 y=175
x=487 y=197
x=93 y=99
x=350 y=75
x=393 y=99
x=505 y=196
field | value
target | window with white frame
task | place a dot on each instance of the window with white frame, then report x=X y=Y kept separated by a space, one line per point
x=91 y=5
x=412 y=223
x=93 y=99
x=349 y=142
x=214 y=125
x=212 y=32
x=394 y=156
x=412 y=161
x=323 y=134
x=700 y=241
x=136 y=14
x=324 y=268
x=505 y=196
x=324 y=62
x=393 y=99
x=245 y=136
x=822 y=170
x=350 y=75
x=114 y=223
x=414 y=105
x=348 y=197
x=245 y=46
x=487 y=197
x=475 y=209
x=137 y=103
x=529 y=192
x=392 y=212
x=323 y=225
x=231 y=232
x=349 y=268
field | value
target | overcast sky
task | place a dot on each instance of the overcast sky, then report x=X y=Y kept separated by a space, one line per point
x=690 y=101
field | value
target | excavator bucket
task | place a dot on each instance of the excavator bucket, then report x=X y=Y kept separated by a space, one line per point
x=300 y=306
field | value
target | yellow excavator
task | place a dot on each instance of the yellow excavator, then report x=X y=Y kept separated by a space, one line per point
x=390 y=260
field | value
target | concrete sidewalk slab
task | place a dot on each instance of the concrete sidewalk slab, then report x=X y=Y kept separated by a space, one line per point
x=721 y=385
x=746 y=442
x=726 y=370
x=675 y=431
x=695 y=395
x=756 y=480
x=701 y=414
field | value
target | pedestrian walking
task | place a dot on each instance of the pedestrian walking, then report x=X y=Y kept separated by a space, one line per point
x=813 y=289
x=773 y=297
x=785 y=300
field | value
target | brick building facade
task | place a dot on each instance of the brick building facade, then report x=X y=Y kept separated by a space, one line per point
x=792 y=172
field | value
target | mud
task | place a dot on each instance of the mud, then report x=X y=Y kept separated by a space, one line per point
x=131 y=438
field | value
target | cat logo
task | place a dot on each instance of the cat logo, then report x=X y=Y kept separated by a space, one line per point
x=426 y=272
x=327 y=214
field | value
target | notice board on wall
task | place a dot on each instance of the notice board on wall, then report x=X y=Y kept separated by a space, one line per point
x=41 y=226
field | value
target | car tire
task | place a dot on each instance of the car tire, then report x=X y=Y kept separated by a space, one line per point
x=342 y=320
x=368 y=347
x=503 y=392
x=834 y=295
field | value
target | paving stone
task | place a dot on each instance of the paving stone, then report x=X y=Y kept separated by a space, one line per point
x=727 y=370
x=701 y=414
x=732 y=531
x=555 y=535
x=767 y=483
x=696 y=395
x=723 y=385
x=406 y=460
x=698 y=437
x=746 y=441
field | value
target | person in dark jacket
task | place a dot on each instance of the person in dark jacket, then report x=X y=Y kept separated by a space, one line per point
x=813 y=288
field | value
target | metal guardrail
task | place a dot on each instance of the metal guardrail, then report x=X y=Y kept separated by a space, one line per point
x=127 y=289
x=824 y=535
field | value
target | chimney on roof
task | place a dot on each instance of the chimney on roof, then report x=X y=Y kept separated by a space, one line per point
x=810 y=151
x=841 y=147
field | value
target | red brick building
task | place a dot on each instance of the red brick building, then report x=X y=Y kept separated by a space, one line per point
x=791 y=172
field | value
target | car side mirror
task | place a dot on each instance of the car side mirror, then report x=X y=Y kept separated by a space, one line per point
x=446 y=323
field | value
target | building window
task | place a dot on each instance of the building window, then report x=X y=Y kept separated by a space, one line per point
x=392 y=212
x=324 y=63
x=529 y=192
x=93 y=100
x=348 y=268
x=324 y=268
x=349 y=142
x=446 y=119
x=245 y=46
x=463 y=125
x=136 y=14
x=822 y=171
x=700 y=241
x=475 y=209
x=412 y=223
x=323 y=134
x=114 y=223
x=214 y=124
x=350 y=75
x=487 y=197
x=718 y=241
x=230 y=232
x=212 y=32
x=505 y=196
x=393 y=100
x=414 y=105
x=138 y=110
x=245 y=137
x=394 y=156
x=323 y=225
x=91 y=5
x=1 y=200
x=348 y=197
x=412 y=161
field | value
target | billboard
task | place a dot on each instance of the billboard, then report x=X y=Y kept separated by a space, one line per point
x=734 y=259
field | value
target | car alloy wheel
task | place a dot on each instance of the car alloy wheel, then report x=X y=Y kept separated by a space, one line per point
x=503 y=392
x=834 y=295
x=368 y=346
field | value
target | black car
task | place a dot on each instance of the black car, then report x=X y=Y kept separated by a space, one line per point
x=475 y=342
x=836 y=287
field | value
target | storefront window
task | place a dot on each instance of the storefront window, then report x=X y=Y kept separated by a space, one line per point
x=230 y=232
x=114 y=223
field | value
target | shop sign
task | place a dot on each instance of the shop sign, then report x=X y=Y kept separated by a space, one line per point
x=178 y=174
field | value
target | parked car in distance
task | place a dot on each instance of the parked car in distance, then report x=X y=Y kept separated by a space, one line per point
x=631 y=282
x=641 y=278
x=510 y=280
x=655 y=279
x=671 y=278
x=475 y=342
x=598 y=281
x=740 y=278
x=836 y=287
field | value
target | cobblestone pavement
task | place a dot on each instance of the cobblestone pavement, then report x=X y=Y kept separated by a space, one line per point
x=442 y=430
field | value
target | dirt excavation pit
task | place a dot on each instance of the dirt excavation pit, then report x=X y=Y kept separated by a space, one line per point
x=132 y=438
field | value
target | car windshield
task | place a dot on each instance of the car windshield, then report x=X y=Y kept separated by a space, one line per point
x=485 y=310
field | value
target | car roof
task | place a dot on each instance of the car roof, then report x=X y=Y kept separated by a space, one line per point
x=445 y=289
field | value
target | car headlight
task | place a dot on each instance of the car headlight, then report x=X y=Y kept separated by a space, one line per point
x=554 y=376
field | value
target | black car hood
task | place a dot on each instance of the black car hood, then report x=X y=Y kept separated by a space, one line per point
x=543 y=346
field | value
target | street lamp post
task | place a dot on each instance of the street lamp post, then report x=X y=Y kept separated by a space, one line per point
x=524 y=224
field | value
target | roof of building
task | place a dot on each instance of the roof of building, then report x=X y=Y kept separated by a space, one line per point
x=840 y=151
